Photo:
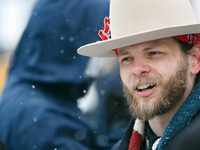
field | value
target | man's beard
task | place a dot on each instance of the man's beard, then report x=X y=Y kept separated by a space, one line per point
x=172 y=92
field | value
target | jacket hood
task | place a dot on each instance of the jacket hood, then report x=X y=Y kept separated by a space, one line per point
x=46 y=53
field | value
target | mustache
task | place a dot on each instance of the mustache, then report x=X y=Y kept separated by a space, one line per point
x=142 y=81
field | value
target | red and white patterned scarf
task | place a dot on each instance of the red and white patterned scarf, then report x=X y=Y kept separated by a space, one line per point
x=137 y=135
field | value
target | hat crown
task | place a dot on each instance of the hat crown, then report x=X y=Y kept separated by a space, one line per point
x=135 y=16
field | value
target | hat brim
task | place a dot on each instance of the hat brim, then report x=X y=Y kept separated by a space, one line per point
x=106 y=48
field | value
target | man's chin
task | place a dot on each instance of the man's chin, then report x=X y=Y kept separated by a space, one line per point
x=143 y=110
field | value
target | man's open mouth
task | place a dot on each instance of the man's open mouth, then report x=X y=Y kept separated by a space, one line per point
x=143 y=88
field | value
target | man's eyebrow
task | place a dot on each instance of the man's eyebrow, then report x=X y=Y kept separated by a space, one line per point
x=148 y=48
x=121 y=52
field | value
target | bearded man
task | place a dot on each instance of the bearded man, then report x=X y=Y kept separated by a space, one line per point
x=157 y=45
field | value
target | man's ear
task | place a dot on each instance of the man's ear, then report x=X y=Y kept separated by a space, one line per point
x=195 y=59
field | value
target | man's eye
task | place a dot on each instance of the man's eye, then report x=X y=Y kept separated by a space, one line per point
x=153 y=53
x=126 y=59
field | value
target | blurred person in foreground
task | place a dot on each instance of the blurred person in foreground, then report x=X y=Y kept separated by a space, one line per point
x=38 y=107
x=157 y=45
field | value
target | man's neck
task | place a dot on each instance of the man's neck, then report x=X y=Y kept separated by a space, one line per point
x=159 y=123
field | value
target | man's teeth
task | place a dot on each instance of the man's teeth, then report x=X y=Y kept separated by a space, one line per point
x=145 y=87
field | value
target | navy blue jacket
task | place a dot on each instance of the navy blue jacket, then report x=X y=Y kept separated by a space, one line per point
x=38 y=108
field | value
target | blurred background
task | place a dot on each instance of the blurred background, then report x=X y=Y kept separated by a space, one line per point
x=14 y=16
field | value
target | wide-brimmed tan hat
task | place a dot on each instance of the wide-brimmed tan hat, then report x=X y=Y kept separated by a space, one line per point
x=137 y=21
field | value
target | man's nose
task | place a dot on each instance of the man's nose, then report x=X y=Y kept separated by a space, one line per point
x=140 y=67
